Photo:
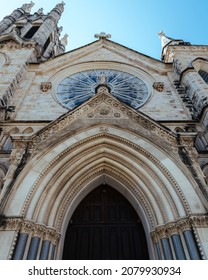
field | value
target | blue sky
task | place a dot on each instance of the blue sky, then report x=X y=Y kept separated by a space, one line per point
x=132 y=23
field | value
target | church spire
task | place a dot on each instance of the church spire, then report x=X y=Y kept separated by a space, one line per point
x=14 y=16
x=46 y=35
x=39 y=30
x=168 y=41
x=164 y=39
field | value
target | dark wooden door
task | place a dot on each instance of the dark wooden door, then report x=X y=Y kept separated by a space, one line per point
x=105 y=226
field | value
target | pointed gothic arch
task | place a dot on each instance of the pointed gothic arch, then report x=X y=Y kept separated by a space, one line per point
x=59 y=178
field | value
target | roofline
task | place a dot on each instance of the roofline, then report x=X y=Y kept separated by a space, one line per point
x=91 y=43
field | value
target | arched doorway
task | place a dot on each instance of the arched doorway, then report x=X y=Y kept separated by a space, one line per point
x=105 y=226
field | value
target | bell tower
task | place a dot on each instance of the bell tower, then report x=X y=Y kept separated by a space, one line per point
x=26 y=38
x=38 y=31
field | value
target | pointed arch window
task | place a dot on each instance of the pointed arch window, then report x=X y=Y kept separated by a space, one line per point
x=204 y=75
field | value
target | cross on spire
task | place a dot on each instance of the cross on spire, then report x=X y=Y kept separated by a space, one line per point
x=102 y=35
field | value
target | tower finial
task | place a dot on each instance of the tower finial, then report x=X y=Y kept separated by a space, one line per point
x=60 y=6
x=164 y=39
x=27 y=7
x=64 y=40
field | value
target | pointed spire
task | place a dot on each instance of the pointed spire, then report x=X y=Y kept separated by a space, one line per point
x=15 y=15
x=164 y=39
x=27 y=7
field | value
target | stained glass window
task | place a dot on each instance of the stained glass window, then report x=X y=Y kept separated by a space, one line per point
x=79 y=87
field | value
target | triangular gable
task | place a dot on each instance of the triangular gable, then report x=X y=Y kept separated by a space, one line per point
x=105 y=50
x=102 y=107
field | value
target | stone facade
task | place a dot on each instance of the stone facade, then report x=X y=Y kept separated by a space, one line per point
x=52 y=157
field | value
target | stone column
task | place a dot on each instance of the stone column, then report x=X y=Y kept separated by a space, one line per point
x=53 y=252
x=185 y=226
x=174 y=234
x=175 y=240
x=20 y=246
x=164 y=239
x=156 y=242
x=191 y=245
x=25 y=230
x=45 y=250
x=49 y=243
x=33 y=250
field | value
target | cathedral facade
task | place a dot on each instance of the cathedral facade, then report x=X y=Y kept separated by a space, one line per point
x=103 y=150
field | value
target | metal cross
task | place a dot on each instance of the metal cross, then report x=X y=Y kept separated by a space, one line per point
x=102 y=35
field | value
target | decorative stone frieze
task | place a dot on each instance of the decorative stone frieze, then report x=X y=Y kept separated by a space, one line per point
x=27 y=227
x=10 y=223
x=172 y=229
x=199 y=221
x=30 y=228
x=91 y=109
x=184 y=224
x=176 y=227
x=39 y=230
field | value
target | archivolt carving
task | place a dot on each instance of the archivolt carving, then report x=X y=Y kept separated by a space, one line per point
x=119 y=151
x=115 y=174
x=120 y=140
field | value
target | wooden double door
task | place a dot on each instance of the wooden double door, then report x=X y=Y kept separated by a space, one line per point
x=105 y=226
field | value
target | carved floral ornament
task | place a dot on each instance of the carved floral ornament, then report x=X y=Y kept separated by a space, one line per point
x=45 y=86
x=159 y=86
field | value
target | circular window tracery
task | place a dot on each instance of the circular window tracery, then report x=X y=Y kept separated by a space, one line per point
x=79 y=87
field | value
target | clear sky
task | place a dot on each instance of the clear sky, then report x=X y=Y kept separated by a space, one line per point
x=132 y=23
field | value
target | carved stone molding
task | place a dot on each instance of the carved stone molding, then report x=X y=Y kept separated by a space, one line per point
x=30 y=228
x=10 y=223
x=46 y=86
x=111 y=105
x=39 y=231
x=162 y=232
x=170 y=229
x=27 y=227
x=199 y=221
x=155 y=237
x=159 y=86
